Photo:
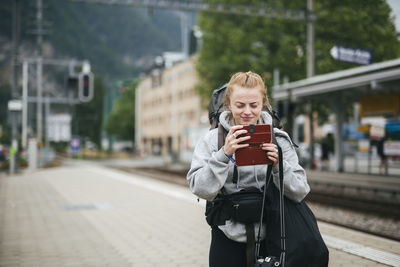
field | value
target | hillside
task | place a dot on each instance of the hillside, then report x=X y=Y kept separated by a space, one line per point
x=118 y=41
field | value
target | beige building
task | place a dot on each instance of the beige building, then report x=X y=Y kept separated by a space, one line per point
x=166 y=107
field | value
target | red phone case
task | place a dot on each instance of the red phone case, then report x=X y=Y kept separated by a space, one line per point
x=253 y=154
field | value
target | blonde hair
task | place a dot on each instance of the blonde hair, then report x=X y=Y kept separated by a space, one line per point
x=248 y=80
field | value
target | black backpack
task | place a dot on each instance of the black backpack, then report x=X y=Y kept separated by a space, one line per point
x=215 y=108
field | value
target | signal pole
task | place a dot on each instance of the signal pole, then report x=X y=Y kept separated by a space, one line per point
x=14 y=88
x=311 y=71
x=310 y=39
x=15 y=42
x=39 y=111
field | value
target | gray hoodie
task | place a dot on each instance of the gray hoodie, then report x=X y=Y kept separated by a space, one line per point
x=212 y=171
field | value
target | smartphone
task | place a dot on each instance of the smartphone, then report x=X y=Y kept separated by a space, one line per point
x=253 y=154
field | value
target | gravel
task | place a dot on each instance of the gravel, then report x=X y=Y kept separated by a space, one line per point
x=386 y=227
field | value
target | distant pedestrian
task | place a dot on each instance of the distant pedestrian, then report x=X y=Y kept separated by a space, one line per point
x=383 y=164
x=213 y=170
x=326 y=150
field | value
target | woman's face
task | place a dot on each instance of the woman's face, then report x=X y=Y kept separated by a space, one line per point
x=245 y=105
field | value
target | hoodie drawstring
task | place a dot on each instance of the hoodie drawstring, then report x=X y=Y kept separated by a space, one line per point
x=238 y=179
x=255 y=174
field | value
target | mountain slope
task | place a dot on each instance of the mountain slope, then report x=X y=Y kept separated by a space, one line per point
x=117 y=40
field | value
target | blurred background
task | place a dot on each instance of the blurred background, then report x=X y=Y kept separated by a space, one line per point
x=93 y=80
x=102 y=104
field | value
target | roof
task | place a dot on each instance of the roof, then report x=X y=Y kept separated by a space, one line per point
x=340 y=80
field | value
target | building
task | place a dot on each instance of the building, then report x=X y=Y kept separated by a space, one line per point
x=167 y=108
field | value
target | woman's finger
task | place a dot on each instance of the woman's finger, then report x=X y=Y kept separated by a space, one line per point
x=235 y=128
x=237 y=146
x=242 y=139
x=273 y=156
x=239 y=132
x=269 y=147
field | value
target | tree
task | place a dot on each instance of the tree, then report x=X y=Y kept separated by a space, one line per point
x=87 y=117
x=358 y=24
x=121 y=122
x=241 y=43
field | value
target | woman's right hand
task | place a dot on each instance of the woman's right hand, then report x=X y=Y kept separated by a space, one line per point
x=232 y=142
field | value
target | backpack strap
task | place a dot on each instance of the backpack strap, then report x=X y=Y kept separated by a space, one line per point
x=222 y=133
x=276 y=122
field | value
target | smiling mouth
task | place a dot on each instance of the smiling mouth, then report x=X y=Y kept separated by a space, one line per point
x=246 y=118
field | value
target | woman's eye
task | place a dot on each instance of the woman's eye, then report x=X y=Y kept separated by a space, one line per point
x=253 y=105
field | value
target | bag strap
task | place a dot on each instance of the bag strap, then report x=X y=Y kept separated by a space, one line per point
x=267 y=180
x=281 y=206
x=250 y=244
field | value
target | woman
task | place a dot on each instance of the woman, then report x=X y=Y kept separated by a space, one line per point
x=212 y=169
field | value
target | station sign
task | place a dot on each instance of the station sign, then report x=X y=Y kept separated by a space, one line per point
x=380 y=104
x=363 y=128
x=15 y=105
x=363 y=145
x=352 y=55
x=393 y=127
x=391 y=148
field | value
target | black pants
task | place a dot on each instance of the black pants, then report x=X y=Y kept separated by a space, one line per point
x=225 y=252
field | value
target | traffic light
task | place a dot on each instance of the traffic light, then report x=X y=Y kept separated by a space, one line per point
x=85 y=87
x=85 y=84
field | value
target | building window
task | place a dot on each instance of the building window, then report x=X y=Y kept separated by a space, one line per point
x=156 y=78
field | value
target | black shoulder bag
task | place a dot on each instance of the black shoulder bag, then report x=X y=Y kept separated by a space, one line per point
x=293 y=238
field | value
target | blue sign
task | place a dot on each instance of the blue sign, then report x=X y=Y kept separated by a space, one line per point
x=353 y=55
x=393 y=127
x=75 y=145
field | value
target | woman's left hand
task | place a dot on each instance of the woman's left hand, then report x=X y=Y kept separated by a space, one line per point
x=271 y=151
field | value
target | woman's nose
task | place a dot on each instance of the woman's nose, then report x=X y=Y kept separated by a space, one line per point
x=247 y=110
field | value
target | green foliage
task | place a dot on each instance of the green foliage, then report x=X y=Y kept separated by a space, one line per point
x=60 y=147
x=87 y=117
x=121 y=122
x=106 y=35
x=358 y=24
x=239 y=43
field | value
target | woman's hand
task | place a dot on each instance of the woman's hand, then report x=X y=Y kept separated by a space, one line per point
x=232 y=142
x=271 y=151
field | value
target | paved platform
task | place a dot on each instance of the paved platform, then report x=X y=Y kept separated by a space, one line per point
x=88 y=215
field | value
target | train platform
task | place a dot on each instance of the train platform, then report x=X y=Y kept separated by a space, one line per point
x=85 y=214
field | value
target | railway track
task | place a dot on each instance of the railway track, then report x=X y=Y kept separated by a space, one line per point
x=381 y=208
x=375 y=203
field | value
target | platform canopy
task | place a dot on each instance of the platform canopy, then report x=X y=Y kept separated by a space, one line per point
x=383 y=76
x=376 y=87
